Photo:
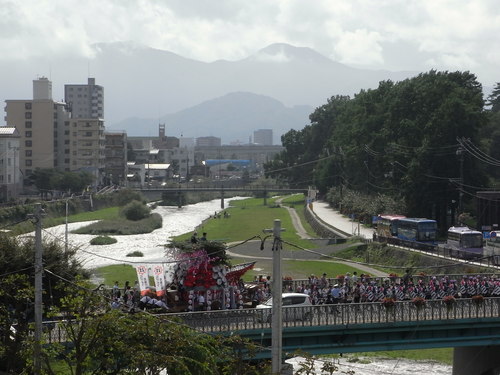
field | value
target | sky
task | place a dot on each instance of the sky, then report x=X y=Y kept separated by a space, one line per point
x=416 y=35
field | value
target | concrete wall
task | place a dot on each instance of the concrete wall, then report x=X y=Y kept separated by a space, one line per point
x=320 y=227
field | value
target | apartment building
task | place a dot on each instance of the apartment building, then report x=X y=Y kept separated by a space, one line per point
x=87 y=146
x=42 y=124
x=85 y=101
x=52 y=135
x=10 y=175
x=115 y=152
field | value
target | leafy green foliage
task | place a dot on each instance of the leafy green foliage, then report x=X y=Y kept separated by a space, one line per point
x=47 y=179
x=135 y=211
x=124 y=196
x=122 y=226
x=103 y=240
x=17 y=292
x=111 y=342
x=398 y=140
x=135 y=254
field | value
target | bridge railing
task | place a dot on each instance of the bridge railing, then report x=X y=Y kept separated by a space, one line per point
x=342 y=314
x=224 y=321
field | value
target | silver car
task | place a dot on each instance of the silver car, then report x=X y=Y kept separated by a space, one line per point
x=292 y=307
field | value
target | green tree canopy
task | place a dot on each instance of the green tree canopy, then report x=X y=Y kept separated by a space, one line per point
x=399 y=140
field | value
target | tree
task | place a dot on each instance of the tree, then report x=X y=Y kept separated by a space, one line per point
x=17 y=292
x=104 y=341
x=494 y=99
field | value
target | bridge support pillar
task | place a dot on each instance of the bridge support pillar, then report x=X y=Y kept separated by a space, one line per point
x=476 y=360
x=222 y=199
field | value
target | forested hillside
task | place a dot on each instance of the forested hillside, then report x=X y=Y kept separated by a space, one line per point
x=408 y=147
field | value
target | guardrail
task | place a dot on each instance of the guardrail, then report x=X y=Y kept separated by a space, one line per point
x=229 y=321
x=351 y=313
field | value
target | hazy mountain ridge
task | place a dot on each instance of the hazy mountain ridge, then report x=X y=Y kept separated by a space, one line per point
x=146 y=83
x=231 y=117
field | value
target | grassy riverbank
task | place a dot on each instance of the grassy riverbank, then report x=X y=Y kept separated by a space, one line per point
x=247 y=219
x=441 y=355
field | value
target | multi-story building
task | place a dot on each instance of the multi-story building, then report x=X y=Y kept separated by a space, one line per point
x=85 y=101
x=10 y=175
x=263 y=137
x=256 y=154
x=87 y=145
x=51 y=136
x=208 y=142
x=43 y=126
x=116 y=157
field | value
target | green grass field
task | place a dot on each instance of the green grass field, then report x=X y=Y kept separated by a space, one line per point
x=247 y=219
x=297 y=201
x=441 y=355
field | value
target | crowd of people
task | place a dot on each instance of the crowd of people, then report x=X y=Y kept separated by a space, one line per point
x=363 y=288
x=346 y=289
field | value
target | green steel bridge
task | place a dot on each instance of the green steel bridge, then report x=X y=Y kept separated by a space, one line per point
x=471 y=326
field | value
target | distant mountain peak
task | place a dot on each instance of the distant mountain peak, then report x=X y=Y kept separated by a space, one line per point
x=282 y=52
x=126 y=47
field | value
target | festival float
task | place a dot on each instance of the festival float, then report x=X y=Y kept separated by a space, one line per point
x=197 y=278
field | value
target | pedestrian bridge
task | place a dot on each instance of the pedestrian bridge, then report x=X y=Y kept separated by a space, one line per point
x=365 y=327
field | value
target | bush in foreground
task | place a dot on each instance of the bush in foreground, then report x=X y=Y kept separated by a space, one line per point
x=103 y=240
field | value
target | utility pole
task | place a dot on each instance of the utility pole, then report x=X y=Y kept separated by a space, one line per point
x=460 y=155
x=277 y=287
x=37 y=219
x=66 y=230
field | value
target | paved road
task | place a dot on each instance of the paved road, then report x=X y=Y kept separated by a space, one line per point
x=337 y=220
x=251 y=250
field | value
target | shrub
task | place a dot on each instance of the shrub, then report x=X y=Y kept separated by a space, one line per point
x=103 y=240
x=122 y=227
x=136 y=210
x=124 y=196
x=135 y=254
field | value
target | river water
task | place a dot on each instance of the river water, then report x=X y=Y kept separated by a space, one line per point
x=176 y=221
x=378 y=366
x=185 y=219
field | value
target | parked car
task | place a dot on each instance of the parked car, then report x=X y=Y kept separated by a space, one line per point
x=291 y=303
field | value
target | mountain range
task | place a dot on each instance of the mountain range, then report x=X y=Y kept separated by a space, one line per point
x=277 y=87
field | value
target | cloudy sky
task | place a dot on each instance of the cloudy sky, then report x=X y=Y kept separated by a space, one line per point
x=390 y=34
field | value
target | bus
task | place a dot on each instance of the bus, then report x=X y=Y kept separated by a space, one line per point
x=492 y=247
x=387 y=225
x=417 y=232
x=463 y=242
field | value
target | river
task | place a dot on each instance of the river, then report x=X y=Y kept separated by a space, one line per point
x=379 y=366
x=177 y=221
